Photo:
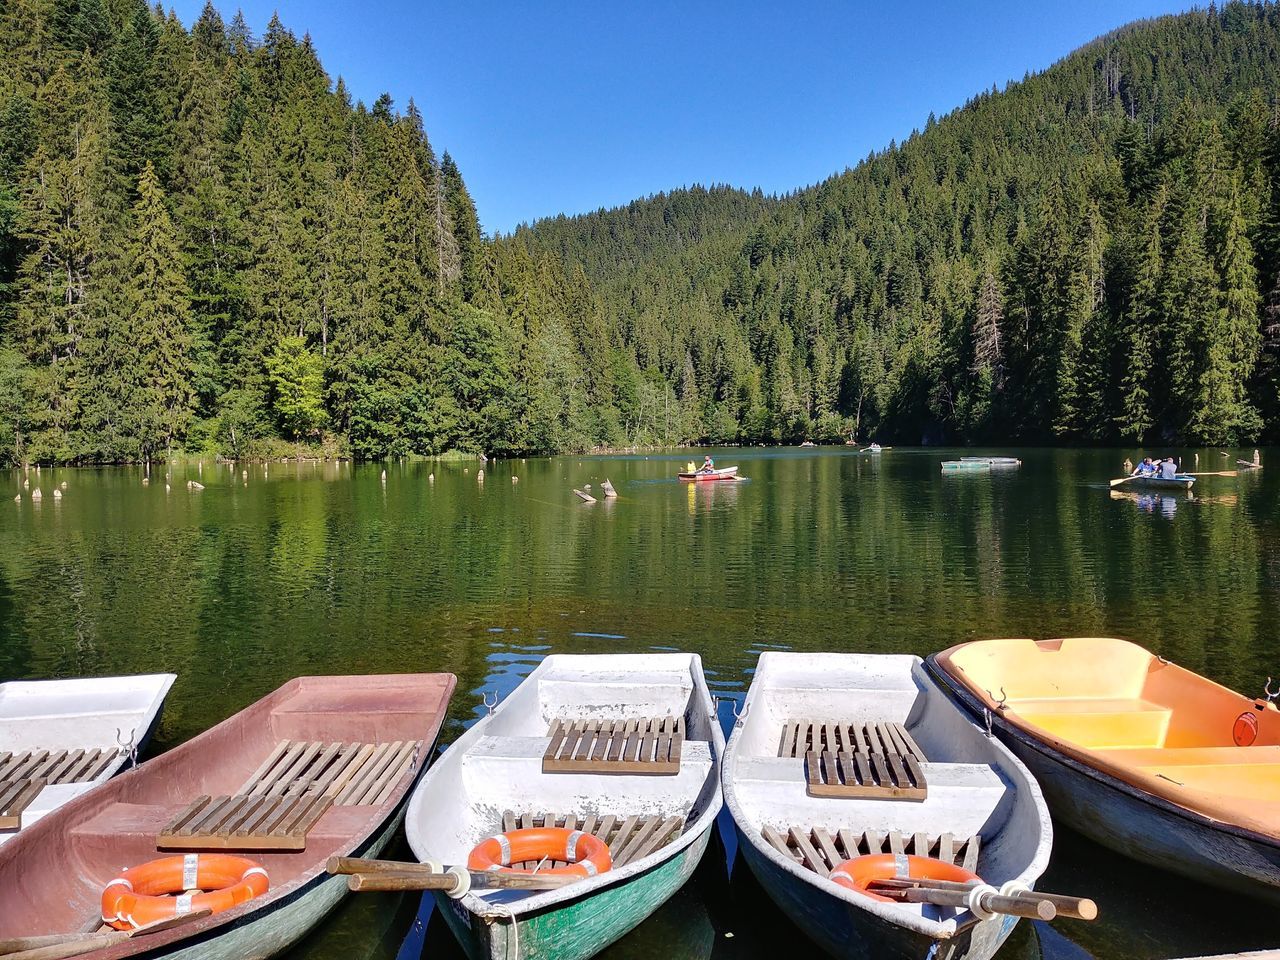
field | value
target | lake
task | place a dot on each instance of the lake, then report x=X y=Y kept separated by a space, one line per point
x=280 y=569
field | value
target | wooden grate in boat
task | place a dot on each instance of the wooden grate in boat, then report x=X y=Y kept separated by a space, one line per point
x=821 y=850
x=649 y=746
x=24 y=774
x=285 y=797
x=867 y=760
x=629 y=838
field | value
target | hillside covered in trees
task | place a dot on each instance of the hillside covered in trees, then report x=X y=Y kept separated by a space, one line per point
x=1091 y=255
x=207 y=246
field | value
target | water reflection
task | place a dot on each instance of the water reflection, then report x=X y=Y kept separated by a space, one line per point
x=278 y=570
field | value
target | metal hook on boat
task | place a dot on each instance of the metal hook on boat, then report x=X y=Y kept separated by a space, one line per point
x=1271 y=694
x=484 y=697
x=417 y=751
x=130 y=746
x=986 y=715
x=1001 y=701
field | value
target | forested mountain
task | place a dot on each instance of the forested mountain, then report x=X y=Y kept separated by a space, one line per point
x=205 y=245
x=1091 y=255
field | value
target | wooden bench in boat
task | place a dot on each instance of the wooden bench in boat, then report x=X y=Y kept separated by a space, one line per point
x=821 y=850
x=285 y=797
x=866 y=760
x=23 y=775
x=629 y=838
x=648 y=746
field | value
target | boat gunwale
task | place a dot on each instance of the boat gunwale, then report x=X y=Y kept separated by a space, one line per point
x=940 y=930
x=539 y=903
x=973 y=705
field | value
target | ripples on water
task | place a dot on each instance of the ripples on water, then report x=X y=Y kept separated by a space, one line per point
x=323 y=568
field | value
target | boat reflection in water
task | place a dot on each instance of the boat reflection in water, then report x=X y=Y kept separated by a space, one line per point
x=1165 y=504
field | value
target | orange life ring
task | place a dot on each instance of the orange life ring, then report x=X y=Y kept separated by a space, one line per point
x=587 y=855
x=858 y=873
x=156 y=890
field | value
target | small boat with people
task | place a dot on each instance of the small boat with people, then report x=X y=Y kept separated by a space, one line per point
x=62 y=738
x=880 y=817
x=707 y=472
x=217 y=849
x=1157 y=474
x=599 y=776
x=1142 y=755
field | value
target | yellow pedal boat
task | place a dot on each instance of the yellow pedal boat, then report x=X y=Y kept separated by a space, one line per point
x=1144 y=756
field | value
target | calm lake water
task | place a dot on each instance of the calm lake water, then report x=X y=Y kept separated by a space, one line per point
x=326 y=568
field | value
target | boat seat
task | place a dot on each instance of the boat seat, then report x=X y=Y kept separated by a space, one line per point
x=941 y=776
x=1248 y=772
x=1099 y=724
x=1263 y=755
x=509 y=770
x=649 y=746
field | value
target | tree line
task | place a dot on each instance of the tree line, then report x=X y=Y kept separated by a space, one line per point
x=206 y=245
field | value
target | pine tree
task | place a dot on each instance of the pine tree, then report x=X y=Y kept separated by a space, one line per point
x=159 y=398
x=466 y=227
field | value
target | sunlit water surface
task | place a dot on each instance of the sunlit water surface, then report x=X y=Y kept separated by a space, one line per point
x=284 y=569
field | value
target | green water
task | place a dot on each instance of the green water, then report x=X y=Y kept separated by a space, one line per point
x=326 y=568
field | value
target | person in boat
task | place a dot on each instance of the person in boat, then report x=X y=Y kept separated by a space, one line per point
x=708 y=465
x=1145 y=469
x=1168 y=469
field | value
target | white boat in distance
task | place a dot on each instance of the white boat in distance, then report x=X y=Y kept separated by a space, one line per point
x=963 y=798
x=544 y=754
x=61 y=738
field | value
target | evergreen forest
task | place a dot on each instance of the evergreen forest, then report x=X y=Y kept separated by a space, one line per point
x=207 y=246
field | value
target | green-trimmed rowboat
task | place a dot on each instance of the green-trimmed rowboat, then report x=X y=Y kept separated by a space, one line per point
x=493 y=779
x=1178 y=481
x=980 y=463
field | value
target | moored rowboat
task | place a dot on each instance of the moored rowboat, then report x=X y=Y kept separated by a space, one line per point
x=1145 y=757
x=569 y=749
x=61 y=738
x=699 y=476
x=954 y=795
x=981 y=463
x=321 y=767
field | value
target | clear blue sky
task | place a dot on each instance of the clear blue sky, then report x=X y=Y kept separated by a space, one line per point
x=570 y=105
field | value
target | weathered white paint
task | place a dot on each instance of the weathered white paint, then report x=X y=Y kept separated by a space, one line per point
x=975 y=784
x=497 y=766
x=90 y=713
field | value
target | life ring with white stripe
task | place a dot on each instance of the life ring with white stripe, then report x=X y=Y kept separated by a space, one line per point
x=162 y=889
x=585 y=855
x=859 y=873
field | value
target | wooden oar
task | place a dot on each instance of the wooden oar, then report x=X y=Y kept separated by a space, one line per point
x=60 y=946
x=1036 y=909
x=1120 y=480
x=369 y=876
x=1218 y=473
x=1074 y=908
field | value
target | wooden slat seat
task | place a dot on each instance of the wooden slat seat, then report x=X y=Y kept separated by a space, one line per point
x=285 y=797
x=56 y=766
x=646 y=746
x=821 y=850
x=15 y=797
x=629 y=838
x=866 y=760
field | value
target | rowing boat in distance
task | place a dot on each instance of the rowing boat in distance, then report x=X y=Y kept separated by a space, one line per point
x=981 y=463
x=620 y=752
x=61 y=738
x=702 y=476
x=1144 y=756
x=321 y=767
x=843 y=759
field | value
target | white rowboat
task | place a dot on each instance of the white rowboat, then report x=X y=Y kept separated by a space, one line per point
x=61 y=738
x=982 y=809
x=657 y=824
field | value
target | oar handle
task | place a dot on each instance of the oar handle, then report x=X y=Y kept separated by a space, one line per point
x=997 y=903
x=1074 y=908
x=390 y=883
x=350 y=865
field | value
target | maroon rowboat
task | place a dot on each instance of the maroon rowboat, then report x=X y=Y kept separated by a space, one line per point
x=321 y=767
